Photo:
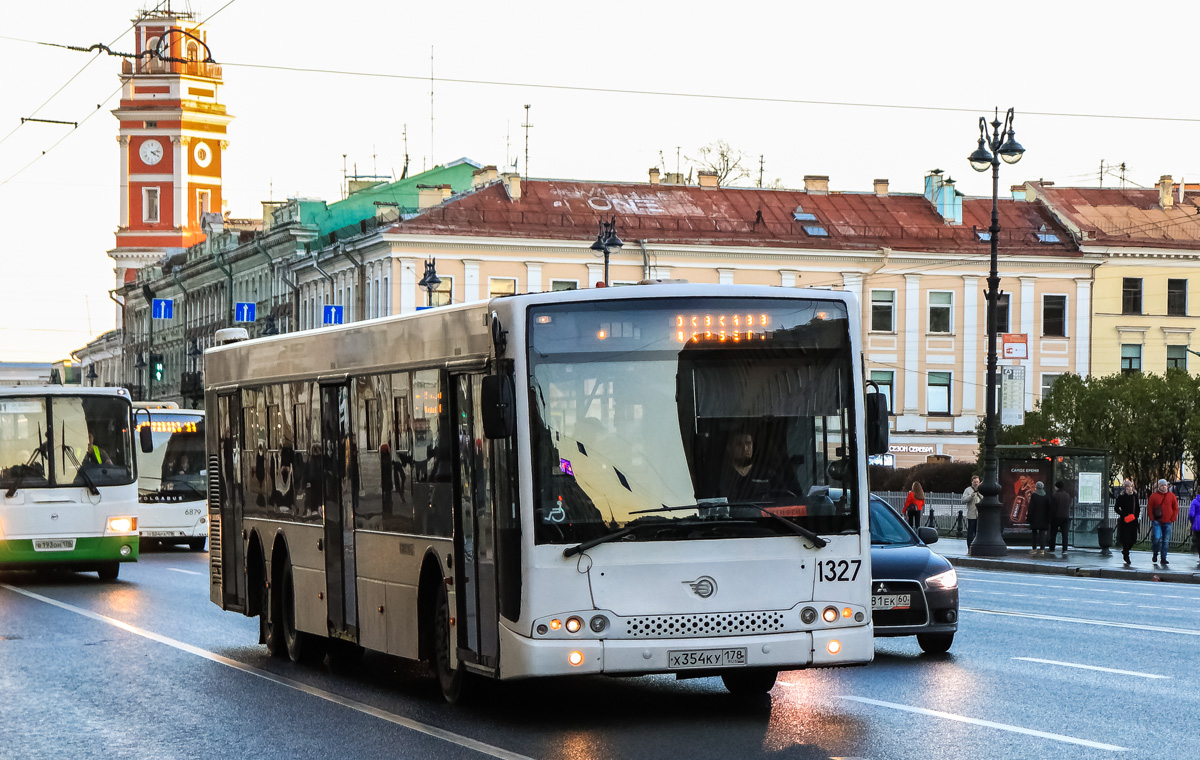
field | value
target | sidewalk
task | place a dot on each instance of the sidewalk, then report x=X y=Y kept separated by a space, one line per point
x=1078 y=562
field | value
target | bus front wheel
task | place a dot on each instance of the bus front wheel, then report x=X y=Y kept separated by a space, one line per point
x=749 y=682
x=109 y=571
x=449 y=679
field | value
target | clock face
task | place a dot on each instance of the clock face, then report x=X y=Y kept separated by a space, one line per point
x=202 y=153
x=151 y=152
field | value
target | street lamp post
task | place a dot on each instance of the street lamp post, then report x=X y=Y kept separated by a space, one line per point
x=606 y=242
x=1000 y=144
x=91 y=374
x=430 y=280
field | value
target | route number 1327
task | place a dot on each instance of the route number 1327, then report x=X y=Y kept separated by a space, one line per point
x=838 y=569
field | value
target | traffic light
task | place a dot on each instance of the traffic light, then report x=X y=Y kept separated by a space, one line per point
x=156 y=365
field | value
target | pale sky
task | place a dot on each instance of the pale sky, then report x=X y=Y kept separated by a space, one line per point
x=58 y=216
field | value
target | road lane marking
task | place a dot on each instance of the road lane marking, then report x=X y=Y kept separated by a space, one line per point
x=1093 y=583
x=189 y=572
x=1092 y=667
x=375 y=712
x=1085 y=621
x=988 y=724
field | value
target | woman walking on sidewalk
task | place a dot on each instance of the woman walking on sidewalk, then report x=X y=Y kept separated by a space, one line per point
x=913 y=504
x=1194 y=513
x=1128 y=511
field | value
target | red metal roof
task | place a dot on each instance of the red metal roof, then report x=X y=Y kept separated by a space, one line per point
x=688 y=214
x=1125 y=217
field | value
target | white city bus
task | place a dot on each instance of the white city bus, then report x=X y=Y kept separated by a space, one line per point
x=68 y=487
x=172 y=482
x=554 y=483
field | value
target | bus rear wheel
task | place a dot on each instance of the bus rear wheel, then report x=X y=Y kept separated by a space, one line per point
x=300 y=645
x=269 y=630
x=450 y=680
x=109 y=571
x=749 y=682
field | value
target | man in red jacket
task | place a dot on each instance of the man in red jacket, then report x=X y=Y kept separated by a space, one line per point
x=1163 y=508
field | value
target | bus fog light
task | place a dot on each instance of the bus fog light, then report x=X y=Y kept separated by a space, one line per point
x=598 y=624
x=808 y=615
x=542 y=629
x=859 y=617
x=574 y=624
x=126 y=550
x=834 y=646
x=575 y=658
x=122 y=524
x=829 y=614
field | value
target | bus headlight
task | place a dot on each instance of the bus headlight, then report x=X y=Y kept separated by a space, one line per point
x=122 y=524
x=946 y=580
x=574 y=624
x=829 y=614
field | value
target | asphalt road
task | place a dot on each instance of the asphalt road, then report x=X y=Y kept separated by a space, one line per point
x=1043 y=666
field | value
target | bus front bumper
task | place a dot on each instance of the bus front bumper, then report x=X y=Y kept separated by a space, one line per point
x=19 y=553
x=524 y=657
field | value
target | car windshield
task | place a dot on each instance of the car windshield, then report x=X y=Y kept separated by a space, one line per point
x=719 y=406
x=176 y=466
x=887 y=527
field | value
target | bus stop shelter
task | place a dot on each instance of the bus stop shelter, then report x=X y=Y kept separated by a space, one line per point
x=1085 y=472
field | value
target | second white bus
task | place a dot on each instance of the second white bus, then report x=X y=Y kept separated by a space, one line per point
x=172 y=480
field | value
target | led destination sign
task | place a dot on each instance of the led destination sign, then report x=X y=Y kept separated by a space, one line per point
x=720 y=327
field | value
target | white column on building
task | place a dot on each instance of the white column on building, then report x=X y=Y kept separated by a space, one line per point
x=533 y=277
x=180 y=151
x=788 y=277
x=408 y=284
x=123 y=215
x=595 y=275
x=853 y=283
x=912 y=345
x=970 y=333
x=724 y=276
x=470 y=289
x=1083 y=333
x=1028 y=303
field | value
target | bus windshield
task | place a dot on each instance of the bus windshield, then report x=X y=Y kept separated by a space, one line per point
x=64 y=440
x=719 y=409
x=175 y=469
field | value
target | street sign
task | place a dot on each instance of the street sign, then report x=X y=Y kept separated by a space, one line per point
x=1014 y=345
x=243 y=312
x=162 y=308
x=333 y=315
x=1012 y=395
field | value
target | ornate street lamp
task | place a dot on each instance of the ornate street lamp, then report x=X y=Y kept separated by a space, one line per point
x=91 y=375
x=430 y=281
x=606 y=242
x=1000 y=144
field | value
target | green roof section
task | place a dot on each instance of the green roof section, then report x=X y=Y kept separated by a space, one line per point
x=403 y=193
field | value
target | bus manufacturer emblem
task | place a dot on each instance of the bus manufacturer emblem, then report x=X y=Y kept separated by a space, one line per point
x=703 y=587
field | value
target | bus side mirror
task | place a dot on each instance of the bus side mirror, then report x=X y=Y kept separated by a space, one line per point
x=498 y=402
x=146 y=438
x=877 y=423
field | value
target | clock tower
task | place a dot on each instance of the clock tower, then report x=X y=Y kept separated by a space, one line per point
x=172 y=140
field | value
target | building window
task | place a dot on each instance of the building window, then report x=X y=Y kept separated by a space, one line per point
x=884 y=379
x=1054 y=316
x=387 y=295
x=501 y=286
x=1177 y=357
x=556 y=285
x=1002 y=323
x=1131 y=357
x=1048 y=381
x=937 y=393
x=883 y=311
x=1131 y=295
x=443 y=293
x=941 y=303
x=203 y=202
x=150 y=204
x=1176 y=298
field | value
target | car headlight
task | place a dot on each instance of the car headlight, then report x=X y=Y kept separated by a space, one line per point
x=946 y=580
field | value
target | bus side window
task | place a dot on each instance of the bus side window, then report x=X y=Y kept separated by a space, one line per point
x=401 y=515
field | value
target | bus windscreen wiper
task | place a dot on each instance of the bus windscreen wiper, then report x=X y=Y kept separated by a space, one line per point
x=571 y=551
x=80 y=471
x=799 y=530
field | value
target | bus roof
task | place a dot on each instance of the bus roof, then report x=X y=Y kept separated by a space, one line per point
x=61 y=390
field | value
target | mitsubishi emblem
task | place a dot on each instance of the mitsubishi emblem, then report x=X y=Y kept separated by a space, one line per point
x=703 y=587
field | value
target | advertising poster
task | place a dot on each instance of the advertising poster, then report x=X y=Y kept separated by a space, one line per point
x=1017 y=483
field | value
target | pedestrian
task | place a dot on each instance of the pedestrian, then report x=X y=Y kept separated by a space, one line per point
x=1128 y=511
x=970 y=499
x=914 y=503
x=1039 y=519
x=1164 y=509
x=1060 y=516
x=1194 y=514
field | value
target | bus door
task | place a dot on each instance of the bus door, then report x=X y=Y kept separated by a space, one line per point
x=338 y=476
x=225 y=546
x=474 y=543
